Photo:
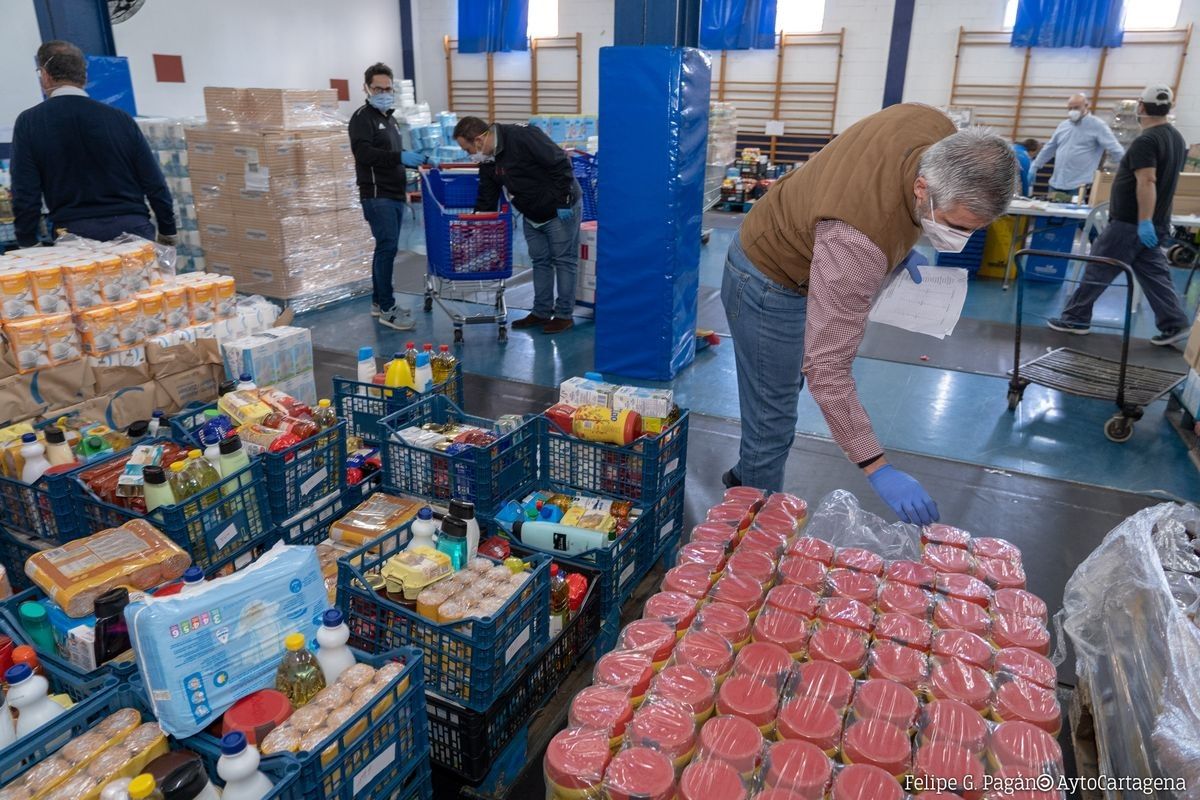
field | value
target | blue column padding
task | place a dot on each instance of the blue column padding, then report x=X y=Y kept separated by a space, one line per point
x=654 y=112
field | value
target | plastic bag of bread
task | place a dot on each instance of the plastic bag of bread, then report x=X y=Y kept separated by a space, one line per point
x=136 y=555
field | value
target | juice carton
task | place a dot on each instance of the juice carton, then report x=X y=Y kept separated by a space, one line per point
x=154 y=312
x=175 y=308
x=28 y=342
x=138 y=264
x=99 y=330
x=129 y=318
x=225 y=297
x=49 y=291
x=82 y=279
x=61 y=338
x=201 y=298
x=112 y=279
x=16 y=295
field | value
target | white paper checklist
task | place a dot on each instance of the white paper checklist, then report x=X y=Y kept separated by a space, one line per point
x=931 y=307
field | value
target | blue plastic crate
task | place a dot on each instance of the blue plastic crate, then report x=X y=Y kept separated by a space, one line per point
x=43 y=510
x=471 y=661
x=462 y=244
x=10 y=625
x=668 y=525
x=15 y=548
x=375 y=751
x=483 y=476
x=417 y=786
x=362 y=405
x=642 y=471
x=585 y=167
x=311 y=526
x=221 y=522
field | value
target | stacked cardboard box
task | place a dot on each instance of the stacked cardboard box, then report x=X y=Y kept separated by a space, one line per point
x=275 y=195
x=1187 y=191
x=585 y=283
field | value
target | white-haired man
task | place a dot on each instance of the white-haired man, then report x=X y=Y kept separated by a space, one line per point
x=1077 y=146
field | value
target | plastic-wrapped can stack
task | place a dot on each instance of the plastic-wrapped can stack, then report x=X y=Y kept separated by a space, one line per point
x=778 y=666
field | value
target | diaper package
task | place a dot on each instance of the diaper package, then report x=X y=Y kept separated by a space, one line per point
x=198 y=653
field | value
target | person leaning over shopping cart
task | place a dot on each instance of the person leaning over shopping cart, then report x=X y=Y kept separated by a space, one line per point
x=538 y=176
x=812 y=254
x=379 y=162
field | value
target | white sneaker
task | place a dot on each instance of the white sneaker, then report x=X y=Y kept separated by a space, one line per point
x=399 y=318
x=374 y=310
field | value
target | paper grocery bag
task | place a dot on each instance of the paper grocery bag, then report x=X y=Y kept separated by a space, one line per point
x=196 y=386
x=167 y=361
x=109 y=379
x=35 y=393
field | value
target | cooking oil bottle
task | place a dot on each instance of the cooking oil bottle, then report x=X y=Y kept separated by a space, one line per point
x=299 y=675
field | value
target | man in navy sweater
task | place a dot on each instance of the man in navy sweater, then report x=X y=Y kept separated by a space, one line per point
x=88 y=161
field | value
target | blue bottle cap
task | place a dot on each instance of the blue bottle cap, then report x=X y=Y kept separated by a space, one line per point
x=398 y=356
x=331 y=618
x=233 y=743
x=422 y=359
x=365 y=352
x=594 y=376
x=425 y=513
x=193 y=575
x=157 y=413
x=244 y=377
x=547 y=512
x=28 y=438
x=17 y=673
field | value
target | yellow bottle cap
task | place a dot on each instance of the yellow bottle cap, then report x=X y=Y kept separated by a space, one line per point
x=194 y=453
x=294 y=641
x=177 y=466
x=323 y=403
x=141 y=787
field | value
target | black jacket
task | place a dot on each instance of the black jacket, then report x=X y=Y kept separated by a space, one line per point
x=376 y=144
x=87 y=160
x=535 y=171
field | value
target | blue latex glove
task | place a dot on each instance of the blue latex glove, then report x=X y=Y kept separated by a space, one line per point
x=1147 y=234
x=905 y=496
x=565 y=214
x=410 y=159
x=913 y=263
x=1031 y=177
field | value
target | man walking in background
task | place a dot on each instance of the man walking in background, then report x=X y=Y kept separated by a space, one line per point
x=88 y=161
x=1139 y=218
x=379 y=164
x=1026 y=150
x=538 y=176
x=1076 y=147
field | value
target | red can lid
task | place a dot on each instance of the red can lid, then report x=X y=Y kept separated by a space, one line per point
x=904 y=599
x=845 y=647
x=885 y=700
x=694 y=580
x=709 y=652
x=766 y=661
x=257 y=714
x=963 y=646
x=685 y=684
x=1019 y=601
x=949 y=765
x=749 y=697
x=705 y=780
x=810 y=719
x=650 y=636
x=706 y=554
x=1014 y=630
x=721 y=533
x=764 y=541
x=904 y=629
x=865 y=782
x=1024 y=663
x=734 y=740
x=789 y=631
x=604 y=708
x=813 y=549
x=911 y=573
x=1000 y=574
x=880 y=744
x=948 y=535
x=859 y=559
x=955 y=723
x=576 y=758
x=795 y=599
x=826 y=681
x=947 y=559
x=674 y=608
x=777 y=521
x=796 y=506
x=735 y=512
x=786 y=794
x=729 y=621
x=666 y=726
x=803 y=572
x=963 y=587
x=754 y=565
x=950 y=679
x=898 y=663
x=800 y=766
x=745 y=593
x=745 y=494
x=846 y=613
x=625 y=669
x=1019 y=699
x=987 y=547
x=954 y=614
x=640 y=773
x=1022 y=745
x=860 y=586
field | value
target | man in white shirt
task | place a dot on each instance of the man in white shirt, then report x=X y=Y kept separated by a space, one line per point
x=1076 y=147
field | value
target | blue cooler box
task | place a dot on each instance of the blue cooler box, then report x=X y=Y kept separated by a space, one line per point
x=1056 y=234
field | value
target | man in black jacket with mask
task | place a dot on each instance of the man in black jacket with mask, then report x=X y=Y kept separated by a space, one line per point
x=537 y=174
x=379 y=162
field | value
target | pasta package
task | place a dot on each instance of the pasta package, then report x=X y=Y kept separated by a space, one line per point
x=136 y=555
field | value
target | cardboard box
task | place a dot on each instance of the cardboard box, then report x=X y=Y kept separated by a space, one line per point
x=291 y=108
x=1187 y=192
x=1188 y=393
x=223 y=105
x=1192 y=163
x=195 y=386
x=272 y=356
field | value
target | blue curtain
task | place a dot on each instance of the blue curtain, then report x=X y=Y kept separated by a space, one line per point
x=1069 y=23
x=492 y=26
x=737 y=24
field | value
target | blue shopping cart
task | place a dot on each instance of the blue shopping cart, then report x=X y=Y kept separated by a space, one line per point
x=586 y=168
x=469 y=253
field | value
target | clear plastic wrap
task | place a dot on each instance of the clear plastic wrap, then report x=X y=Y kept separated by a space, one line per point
x=841 y=520
x=667 y=726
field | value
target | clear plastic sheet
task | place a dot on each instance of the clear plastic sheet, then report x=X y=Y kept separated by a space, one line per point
x=839 y=519
x=1136 y=647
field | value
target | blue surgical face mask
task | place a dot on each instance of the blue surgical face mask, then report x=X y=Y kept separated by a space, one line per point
x=382 y=102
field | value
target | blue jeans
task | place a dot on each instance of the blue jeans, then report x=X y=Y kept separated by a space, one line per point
x=104 y=228
x=1120 y=240
x=766 y=320
x=384 y=215
x=554 y=250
